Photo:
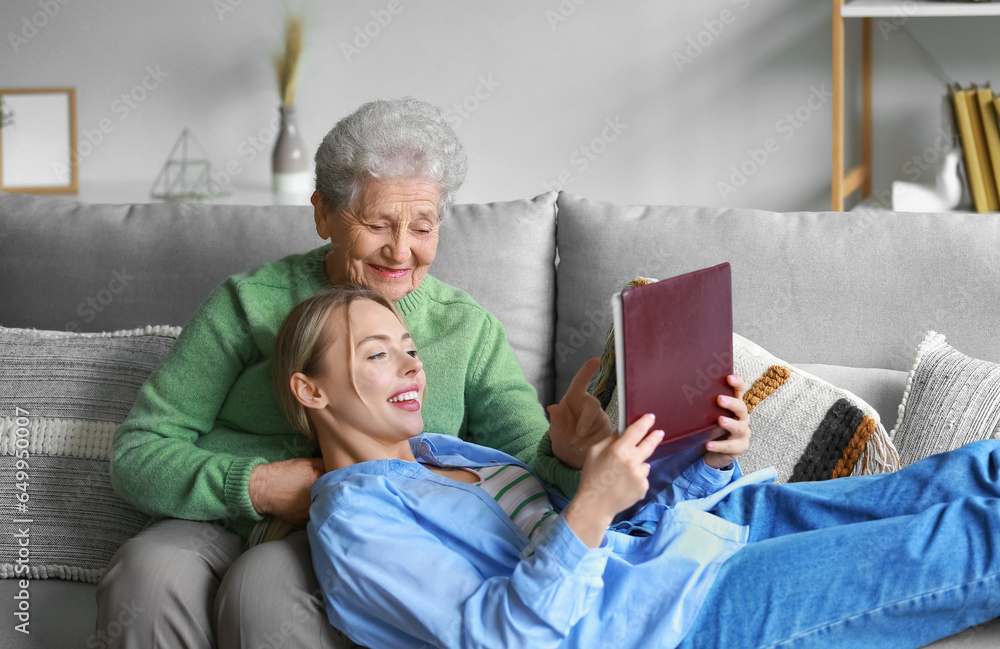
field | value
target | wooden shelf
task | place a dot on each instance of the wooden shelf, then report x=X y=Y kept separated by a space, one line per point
x=845 y=181
x=916 y=9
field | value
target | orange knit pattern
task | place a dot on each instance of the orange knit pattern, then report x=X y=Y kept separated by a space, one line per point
x=854 y=448
x=772 y=379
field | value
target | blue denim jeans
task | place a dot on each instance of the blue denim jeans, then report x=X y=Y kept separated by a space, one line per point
x=894 y=560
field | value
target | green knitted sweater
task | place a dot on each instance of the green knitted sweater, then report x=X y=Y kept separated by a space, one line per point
x=208 y=415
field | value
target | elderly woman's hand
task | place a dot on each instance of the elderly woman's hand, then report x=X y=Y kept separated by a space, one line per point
x=283 y=489
x=723 y=452
x=578 y=422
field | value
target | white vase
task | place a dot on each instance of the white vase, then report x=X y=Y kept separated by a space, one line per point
x=943 y=196
x=290 y=160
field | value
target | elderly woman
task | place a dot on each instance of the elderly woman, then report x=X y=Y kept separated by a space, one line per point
x=206 y=450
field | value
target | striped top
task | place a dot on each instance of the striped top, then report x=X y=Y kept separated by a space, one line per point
x=519 y=493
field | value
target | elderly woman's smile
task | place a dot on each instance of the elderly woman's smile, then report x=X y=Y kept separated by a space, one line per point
x=386 y=239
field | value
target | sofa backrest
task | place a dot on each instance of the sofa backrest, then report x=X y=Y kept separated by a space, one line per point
x=856 y=289
x=83 y=267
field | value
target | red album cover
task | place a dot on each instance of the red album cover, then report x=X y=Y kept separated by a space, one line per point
x=674 y=350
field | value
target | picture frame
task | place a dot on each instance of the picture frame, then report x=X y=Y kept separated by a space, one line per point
x=37 y=138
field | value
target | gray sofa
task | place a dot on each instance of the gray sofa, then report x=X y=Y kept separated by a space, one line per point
x=845 y=296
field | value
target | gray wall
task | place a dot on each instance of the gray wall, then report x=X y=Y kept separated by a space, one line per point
x=550 y=76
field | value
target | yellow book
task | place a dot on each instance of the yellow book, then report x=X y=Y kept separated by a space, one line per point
x=985 y=168
x=987 y=109
x=972 y=170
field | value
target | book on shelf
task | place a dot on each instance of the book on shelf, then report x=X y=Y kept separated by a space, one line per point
x=674 y=345
x=985 y=166
x=991 y=129
x=965 y=111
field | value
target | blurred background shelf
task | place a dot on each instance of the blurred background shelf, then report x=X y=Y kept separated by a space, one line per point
x=916 y=8
x=859 y=177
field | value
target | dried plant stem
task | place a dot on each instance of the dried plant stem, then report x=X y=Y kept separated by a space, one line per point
x=286 y=63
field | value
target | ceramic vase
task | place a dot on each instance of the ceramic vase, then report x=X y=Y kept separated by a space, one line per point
x=944 y=195
x=290 y=161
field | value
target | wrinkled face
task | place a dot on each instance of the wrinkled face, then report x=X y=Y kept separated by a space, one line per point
x=379 y=391
x=387 y=239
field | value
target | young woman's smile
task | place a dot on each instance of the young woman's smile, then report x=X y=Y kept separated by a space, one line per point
x=372 y=383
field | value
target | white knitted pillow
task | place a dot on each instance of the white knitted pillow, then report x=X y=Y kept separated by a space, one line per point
x=950 y=400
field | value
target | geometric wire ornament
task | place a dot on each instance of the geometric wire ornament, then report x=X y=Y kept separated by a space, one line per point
x=6 y=115
x=186 y=173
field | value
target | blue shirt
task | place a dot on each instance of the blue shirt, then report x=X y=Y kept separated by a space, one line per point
x=408 y=558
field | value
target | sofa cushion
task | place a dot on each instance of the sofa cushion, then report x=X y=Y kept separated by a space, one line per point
x=881 y=388
x=855 y=289
x=84 y=267
x=75 y=266
x=61 y=397
x=805 y=427
x=503 y=255
x=950 y=400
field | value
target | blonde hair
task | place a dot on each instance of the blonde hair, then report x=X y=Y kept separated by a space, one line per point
x=300 y=345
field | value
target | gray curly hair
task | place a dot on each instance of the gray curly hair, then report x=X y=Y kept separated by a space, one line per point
x=389 y=138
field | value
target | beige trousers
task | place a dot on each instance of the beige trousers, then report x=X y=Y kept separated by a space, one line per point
x=188 y=584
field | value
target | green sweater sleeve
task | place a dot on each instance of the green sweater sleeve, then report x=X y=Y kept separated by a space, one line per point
x=553 y=470
x=157 y=463
x=504 y=412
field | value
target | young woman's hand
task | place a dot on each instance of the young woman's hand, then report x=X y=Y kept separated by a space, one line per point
x=726 y=450
x=615 y=476
x=577 y=422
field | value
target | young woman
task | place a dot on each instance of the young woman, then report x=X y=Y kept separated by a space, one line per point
x=425 y=540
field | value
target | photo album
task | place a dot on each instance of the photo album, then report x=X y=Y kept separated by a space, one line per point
x=674 y=339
